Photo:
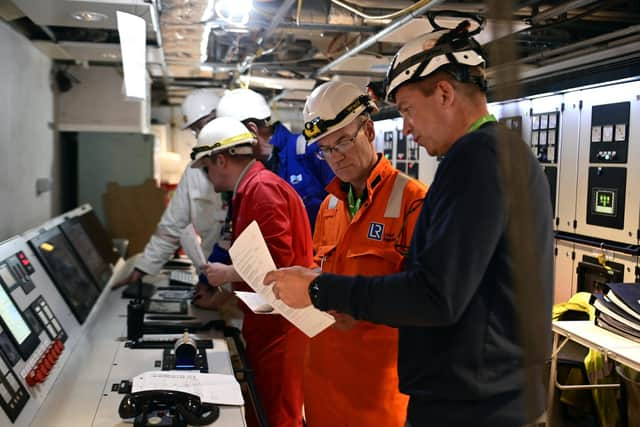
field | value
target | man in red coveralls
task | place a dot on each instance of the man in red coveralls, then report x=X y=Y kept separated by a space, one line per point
x=275 y=348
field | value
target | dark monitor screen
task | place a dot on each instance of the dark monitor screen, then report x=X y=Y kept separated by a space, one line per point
x=167 y=307
x=99 y=236
x=66 y=271
x=99 y=269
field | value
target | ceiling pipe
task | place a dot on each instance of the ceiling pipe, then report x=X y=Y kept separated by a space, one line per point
x=329 y=28
x=155 y=22
x=277 y=19
x=559 y=10
x=601 y=57
x=373 y=39
x=279 y=16
x=588 y=42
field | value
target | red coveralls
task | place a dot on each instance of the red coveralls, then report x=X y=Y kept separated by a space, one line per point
x=351 y=376
x=275 y=348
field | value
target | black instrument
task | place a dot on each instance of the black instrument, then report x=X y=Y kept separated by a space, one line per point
x=167 y=408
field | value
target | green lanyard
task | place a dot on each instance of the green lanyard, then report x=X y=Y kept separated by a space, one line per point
x=482 y=120
x=354 y=205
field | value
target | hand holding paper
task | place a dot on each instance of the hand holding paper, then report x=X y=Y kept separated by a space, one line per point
x=252 y=261
x=291 y=285
x=219 y=274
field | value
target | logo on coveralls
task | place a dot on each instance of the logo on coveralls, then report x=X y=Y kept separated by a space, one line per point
x=375 y=231
x=295 y=179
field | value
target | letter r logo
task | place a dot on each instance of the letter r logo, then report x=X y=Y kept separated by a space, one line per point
x=375 y=231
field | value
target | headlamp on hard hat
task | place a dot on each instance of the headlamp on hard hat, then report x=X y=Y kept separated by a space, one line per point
x=318 y=126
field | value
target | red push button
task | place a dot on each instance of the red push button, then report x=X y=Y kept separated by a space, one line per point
x=31 y=378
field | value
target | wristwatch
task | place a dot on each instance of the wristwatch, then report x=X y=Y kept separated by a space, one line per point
x=314 y=291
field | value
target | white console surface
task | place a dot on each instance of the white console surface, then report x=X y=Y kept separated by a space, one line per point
x=82 y=394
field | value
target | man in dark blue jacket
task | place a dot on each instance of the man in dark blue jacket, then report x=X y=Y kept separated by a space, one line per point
x=473 y=304
x=300 y=166
x=282 y=151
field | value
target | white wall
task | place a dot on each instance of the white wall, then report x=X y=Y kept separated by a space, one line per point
x=97 y=103
x=26 y=140
x=103 y=157
x=179 y=141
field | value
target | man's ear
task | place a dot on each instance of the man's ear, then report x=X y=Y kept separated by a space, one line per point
x=447 y=93
x=220 y=160
x=253 y=128
x=370 y=130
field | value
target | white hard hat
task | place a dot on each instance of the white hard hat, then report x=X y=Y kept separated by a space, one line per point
x=332 y=106
x=222 y=134
x=243 y=104
x=425 y=54
x=198 y=104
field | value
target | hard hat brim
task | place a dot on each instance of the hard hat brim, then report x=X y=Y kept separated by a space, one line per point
x=188 y=125
x=199 y=162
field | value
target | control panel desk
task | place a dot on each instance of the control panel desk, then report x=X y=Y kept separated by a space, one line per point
x=83 y=396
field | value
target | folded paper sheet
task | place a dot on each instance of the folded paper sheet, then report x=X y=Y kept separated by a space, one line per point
x=211 y=388
x=190 y=242
x=252 y=261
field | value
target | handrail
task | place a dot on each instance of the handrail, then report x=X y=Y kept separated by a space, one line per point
x=600 y=243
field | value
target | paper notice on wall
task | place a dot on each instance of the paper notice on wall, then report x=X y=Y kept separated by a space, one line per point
x=252 y=261
x=132 y=31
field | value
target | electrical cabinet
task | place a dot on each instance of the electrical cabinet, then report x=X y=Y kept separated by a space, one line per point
x=403 y=152
x=608 y=190
x=564 y=271
x=568 y=162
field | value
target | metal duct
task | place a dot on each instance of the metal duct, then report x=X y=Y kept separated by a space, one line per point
x=373 y=39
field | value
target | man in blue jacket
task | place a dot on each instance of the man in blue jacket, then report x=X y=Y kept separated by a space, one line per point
x=473 y=305
x=282 y=151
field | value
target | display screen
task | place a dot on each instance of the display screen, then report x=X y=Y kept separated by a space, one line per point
x=66 y=271
x=12 y=318
x=605 y=202
x=6 y=275
x=99 y=236
x=166 y=307
x=96 y=265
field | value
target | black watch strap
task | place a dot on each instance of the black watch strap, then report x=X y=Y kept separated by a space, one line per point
x=314 y=291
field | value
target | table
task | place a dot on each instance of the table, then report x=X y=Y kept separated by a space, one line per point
x=586 y=333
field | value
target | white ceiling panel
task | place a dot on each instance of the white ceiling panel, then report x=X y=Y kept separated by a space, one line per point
x=60 y=12
x=93 y=52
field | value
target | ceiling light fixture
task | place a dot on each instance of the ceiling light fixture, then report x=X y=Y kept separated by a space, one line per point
x=235 y=12
x=88 y=16
x=110 y=55
x=237 y=30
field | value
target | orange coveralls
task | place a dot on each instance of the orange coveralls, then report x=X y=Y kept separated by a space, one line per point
x=350 y=377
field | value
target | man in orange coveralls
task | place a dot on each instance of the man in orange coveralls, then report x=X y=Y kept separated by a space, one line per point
x=275 y=348
x=363 y=227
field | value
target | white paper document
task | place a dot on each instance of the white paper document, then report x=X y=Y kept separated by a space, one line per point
x=190 y=242
x=211 y=388
x=252 y=261
x=255 y=302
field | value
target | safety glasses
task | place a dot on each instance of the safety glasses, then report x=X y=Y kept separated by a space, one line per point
x=342 y=146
